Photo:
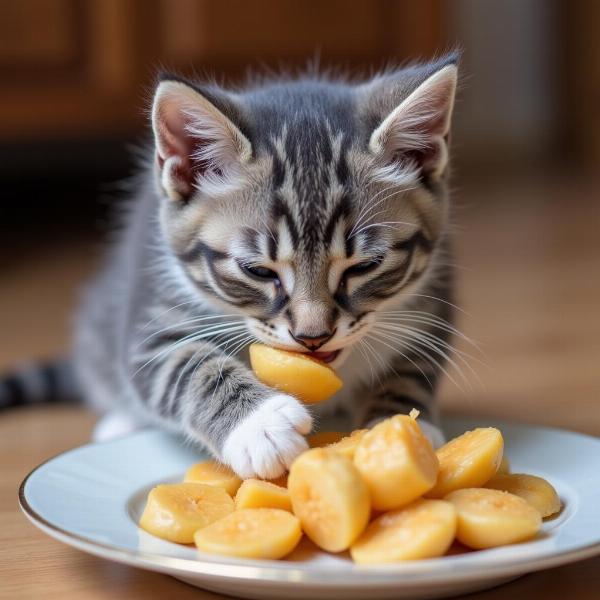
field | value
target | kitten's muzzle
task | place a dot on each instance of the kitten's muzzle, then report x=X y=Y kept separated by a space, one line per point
x=313 y=342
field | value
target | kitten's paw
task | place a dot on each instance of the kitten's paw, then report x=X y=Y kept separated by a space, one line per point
x=266 y=442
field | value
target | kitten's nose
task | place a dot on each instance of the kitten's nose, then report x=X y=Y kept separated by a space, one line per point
x=313 y=342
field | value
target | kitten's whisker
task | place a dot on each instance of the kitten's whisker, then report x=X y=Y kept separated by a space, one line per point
x=220 y=345
x=189 y=322
x=376 y=357
x=406 y=357
x=362 y=218
x=407 y=341
x=164 y=312
x=384 y=224
x=440 y=300
x=364 y=354
x=196 y=336
x=427 y=319
x=461 y=354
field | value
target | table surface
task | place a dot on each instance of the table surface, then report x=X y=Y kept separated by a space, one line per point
x=527 y=258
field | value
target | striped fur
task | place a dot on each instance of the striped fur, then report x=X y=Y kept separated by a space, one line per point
x=287 y=212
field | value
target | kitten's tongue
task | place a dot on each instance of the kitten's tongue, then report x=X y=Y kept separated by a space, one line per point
x=326 y=357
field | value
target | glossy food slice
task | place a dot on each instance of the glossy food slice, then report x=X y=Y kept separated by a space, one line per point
x=348 y=444
x=397 y=462
x=489 y=518
x=423 y=529
x=536 y=491
x=211 y=472
x=330 y=498
x=175 y=512
x=468 y=461
x=251 y=533
x=255 y=493
x=295 y=373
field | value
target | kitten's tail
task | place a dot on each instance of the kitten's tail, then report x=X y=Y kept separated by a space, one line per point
x=39 y=383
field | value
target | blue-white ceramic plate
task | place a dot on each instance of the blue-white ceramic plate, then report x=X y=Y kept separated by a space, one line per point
x=91 y=498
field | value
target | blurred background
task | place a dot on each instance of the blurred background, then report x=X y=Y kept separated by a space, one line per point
x=75 y=83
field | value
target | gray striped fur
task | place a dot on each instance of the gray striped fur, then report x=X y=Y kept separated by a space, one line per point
x=288 y=176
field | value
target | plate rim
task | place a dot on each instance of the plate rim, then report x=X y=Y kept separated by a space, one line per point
x=372 y=575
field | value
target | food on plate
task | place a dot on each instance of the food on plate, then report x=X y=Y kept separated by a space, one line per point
x=348 y=444
x=397 y=462
x=295 y=373
x=176 y=511
x=268 y=533
x=536 y=491
x=423 y=529
x=420 y=503
x=211 y=472
x=488 y=518
x=468 y=461
x=330 y=498
x=255 y=493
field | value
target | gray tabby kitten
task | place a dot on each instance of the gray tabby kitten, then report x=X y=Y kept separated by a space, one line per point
x=308 y=214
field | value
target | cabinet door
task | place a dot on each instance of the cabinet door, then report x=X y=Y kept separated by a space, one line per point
x=67 y=67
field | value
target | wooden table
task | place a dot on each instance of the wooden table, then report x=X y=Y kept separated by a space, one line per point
x=531 y=258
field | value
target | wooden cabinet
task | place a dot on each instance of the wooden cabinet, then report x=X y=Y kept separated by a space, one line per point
x=84 y=68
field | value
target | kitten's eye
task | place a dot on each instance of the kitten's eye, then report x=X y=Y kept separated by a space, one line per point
x=363 y=267
x=261 y=273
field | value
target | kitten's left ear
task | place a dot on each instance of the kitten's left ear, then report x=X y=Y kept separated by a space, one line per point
x=196 y=142
x=415 y=133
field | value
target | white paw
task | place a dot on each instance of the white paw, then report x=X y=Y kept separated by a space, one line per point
x=115 y=425
x=266 y=442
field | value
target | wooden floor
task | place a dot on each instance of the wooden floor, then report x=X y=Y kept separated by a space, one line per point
x=529 y=257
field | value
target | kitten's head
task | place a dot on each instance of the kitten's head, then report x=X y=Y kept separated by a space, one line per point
x=306 y=205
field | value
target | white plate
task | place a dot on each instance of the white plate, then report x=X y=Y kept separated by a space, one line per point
x=92 y=497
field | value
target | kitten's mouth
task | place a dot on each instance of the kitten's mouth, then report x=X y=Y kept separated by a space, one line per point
x=325 y=357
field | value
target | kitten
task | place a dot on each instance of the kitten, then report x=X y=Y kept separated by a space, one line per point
x=308 y=214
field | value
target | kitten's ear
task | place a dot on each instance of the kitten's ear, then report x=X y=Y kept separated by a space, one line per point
x=196 y=143
x=414 y=134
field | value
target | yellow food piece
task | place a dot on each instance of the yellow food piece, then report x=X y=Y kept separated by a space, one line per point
x=504 y=468
x=468 y=461
x=175 y=512
x=423 y=529
x=251 y=533
x=347 y=445
x=254 y=493
x=211 y=472
x=534 y=490
x=308 y=379
x=489 y=518
x=324 y=438
x=397 y=462
x=329 y=497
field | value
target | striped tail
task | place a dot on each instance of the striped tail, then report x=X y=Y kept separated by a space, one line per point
x=38 y=383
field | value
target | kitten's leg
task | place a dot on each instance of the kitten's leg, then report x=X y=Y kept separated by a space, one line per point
x=217 y=401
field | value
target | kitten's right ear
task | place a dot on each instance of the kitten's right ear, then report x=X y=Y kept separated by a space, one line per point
x=196 y=143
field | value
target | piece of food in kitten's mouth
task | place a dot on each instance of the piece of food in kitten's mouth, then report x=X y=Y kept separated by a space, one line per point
x=306 y=376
